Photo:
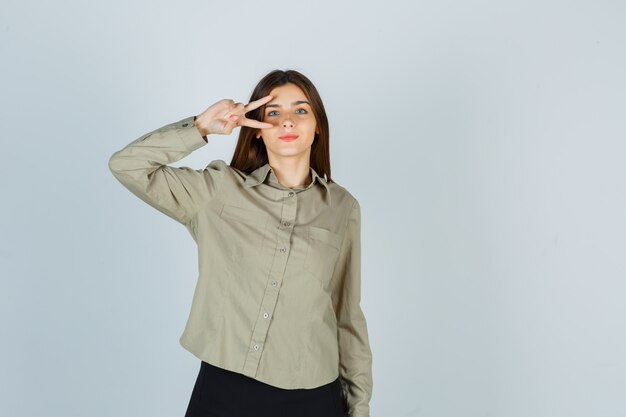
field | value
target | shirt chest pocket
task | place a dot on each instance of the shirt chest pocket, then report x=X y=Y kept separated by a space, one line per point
x=322 y=251
x=244 y=231
x=252 y=217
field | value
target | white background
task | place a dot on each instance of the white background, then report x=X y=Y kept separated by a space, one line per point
x=485 y=141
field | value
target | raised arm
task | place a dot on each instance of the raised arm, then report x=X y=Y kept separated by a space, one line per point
x=142 y=165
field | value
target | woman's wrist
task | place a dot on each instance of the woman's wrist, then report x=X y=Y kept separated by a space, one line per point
x=202 y=133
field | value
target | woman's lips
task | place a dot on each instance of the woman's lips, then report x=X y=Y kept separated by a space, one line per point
x=288 y=138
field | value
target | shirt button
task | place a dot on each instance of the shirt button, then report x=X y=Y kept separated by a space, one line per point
x=185 y=124
x=273 y=283
x=290 y=193
x=283 y=249
x=286 y=223
x=265 y=315
x=256 y=347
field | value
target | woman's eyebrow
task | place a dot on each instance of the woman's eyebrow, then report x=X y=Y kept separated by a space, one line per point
x=295 y=103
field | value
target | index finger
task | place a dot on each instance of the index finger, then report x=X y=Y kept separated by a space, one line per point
x=257 y=103
x=256 y=124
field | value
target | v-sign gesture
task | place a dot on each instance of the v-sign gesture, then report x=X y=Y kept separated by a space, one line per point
x=223 y=116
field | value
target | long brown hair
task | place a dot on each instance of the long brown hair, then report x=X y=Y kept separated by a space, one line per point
x=250 y=153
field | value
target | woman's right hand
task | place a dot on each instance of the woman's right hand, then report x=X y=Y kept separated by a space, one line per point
x=223 y=116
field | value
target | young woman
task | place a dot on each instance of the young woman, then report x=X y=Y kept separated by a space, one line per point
x=276 y=318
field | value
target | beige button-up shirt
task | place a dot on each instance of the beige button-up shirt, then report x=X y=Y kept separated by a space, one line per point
x=279 y=286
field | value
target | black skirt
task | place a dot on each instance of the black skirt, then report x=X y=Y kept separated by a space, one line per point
x=219 y=392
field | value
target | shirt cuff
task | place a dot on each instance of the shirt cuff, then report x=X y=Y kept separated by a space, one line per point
x=189 y=134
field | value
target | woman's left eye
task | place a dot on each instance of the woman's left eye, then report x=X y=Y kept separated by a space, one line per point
x=302 y=110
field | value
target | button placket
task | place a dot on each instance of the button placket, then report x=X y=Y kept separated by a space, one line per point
x=277 y=270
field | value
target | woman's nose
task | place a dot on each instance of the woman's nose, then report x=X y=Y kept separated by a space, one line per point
x=287 y=123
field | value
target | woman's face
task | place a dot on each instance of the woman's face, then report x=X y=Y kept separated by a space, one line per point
x=291 y=114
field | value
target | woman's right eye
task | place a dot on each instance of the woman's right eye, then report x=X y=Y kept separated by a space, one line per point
x=270 y=113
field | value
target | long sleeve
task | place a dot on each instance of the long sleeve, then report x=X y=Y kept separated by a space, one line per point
x=141 y=166
x=355 y=356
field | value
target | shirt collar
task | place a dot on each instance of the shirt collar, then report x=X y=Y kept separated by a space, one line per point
x=260 y=174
